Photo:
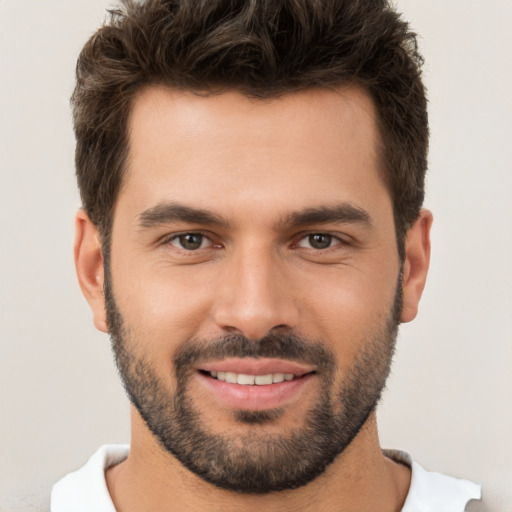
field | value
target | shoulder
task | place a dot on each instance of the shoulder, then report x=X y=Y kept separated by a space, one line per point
x=86 y=489
x=434 y=492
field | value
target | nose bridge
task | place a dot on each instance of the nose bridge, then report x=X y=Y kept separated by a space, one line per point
x=254 y=297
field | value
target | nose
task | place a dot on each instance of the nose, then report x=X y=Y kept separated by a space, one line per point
x=255 y=295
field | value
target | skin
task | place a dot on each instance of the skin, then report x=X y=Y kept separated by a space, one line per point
x=254 y=163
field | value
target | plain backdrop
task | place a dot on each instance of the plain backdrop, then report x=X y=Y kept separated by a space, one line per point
x=449 y=399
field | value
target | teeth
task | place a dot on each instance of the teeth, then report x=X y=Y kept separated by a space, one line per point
x=251 y=380
x=262 y=380
x=231 y=377
x=246 y=380
x=278 y=377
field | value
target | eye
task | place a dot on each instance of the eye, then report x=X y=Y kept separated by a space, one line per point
x=318 y=241
x=190 y=241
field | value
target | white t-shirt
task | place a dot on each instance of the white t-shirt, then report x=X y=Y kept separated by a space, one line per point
x=86 y=490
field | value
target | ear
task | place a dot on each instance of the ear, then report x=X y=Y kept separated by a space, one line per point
x=415 y=267
x=89 y=267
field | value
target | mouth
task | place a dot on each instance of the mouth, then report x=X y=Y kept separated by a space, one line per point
x=252 y=380
x=255 y=384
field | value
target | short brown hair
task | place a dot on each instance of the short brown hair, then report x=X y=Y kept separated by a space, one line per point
x=263 y=48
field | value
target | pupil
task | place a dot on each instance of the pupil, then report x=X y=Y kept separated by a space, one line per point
x=191 y=241
x=320 y=241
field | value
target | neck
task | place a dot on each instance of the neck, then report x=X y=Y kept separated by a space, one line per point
x=361 y=479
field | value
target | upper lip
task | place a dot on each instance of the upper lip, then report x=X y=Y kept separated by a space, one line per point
x=252 y=366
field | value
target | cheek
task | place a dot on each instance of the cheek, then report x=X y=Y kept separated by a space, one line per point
x=348 y=308
x=161 y=306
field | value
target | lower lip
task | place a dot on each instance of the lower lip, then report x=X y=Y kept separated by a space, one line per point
x=255 y=398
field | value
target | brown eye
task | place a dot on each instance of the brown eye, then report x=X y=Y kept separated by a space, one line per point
x=190 y=241
x=320 y=241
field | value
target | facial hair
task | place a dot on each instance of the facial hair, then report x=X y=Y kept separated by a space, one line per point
x=255 y=463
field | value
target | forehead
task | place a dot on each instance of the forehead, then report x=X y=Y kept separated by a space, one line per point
x=225 y=150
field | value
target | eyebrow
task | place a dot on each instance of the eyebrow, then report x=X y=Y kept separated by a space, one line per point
x=166 y=213
x=173 y=212
x=339 y=213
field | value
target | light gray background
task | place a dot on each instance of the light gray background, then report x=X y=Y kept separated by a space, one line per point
x=449 y=398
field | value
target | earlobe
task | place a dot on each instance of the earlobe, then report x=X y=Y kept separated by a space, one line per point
x=89 y=267
x=415 y=268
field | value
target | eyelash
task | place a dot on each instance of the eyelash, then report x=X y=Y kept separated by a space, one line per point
x=334 y=237
x=168 y=239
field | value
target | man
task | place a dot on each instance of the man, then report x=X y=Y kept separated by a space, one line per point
x=252 y=177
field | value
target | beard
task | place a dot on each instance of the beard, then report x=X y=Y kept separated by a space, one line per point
x=255 y=462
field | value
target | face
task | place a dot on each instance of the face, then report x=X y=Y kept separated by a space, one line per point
x=253 y=290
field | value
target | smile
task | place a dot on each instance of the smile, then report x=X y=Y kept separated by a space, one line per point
x=255 y=384
x=252 y=380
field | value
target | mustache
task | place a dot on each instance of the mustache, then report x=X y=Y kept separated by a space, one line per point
x=279 y=346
